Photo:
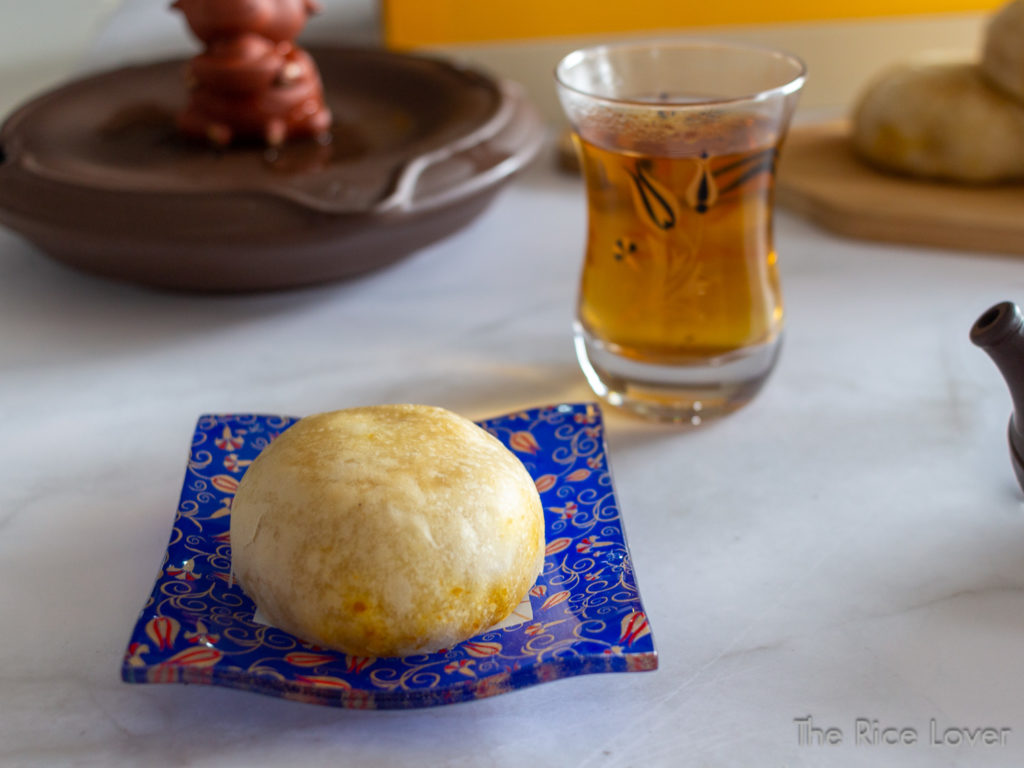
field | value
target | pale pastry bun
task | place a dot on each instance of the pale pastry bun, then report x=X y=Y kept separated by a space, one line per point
x=940 y=119
x=1002 y=58
x=387 y=530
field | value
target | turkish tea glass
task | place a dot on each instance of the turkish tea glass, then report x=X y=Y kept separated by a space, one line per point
x=680 y=313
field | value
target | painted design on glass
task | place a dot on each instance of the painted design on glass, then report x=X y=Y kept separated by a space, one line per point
x=679 y=255
x=655 y=203
x=703 y=191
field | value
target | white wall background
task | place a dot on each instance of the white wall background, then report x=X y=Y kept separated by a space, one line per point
x=44 y=41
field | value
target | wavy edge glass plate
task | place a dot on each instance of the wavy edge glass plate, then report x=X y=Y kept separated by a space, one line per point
x=583 y=616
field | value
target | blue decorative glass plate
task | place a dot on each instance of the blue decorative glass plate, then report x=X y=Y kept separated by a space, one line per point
x=583 y=615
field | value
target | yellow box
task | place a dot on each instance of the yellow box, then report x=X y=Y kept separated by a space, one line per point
x=412 y=23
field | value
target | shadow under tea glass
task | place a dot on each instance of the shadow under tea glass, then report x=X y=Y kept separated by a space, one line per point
x=680 y=311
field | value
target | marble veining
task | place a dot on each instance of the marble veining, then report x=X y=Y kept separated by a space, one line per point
x=849 y=546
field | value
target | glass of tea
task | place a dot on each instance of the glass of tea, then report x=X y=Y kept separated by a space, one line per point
x=680 y=312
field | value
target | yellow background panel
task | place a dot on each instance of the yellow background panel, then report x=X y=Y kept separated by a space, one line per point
x=410 y=23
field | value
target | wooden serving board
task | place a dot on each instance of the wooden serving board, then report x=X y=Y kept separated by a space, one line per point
x=821 y=178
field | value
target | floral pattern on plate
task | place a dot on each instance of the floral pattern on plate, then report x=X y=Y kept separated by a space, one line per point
x=583 y=616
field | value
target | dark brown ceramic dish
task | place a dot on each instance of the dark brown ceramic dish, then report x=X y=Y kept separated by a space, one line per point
x=95 y=175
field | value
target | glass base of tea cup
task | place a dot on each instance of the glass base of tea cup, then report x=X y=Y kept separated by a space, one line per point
x=692 y=393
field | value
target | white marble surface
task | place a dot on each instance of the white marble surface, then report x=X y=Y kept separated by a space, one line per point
x=849 y=546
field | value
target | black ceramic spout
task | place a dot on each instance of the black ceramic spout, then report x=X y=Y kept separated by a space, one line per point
x=1000 y=332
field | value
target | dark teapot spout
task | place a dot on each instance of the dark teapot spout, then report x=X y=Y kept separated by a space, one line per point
x=1000 y=332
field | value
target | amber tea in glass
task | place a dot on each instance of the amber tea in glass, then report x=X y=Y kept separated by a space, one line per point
x=680 y=311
